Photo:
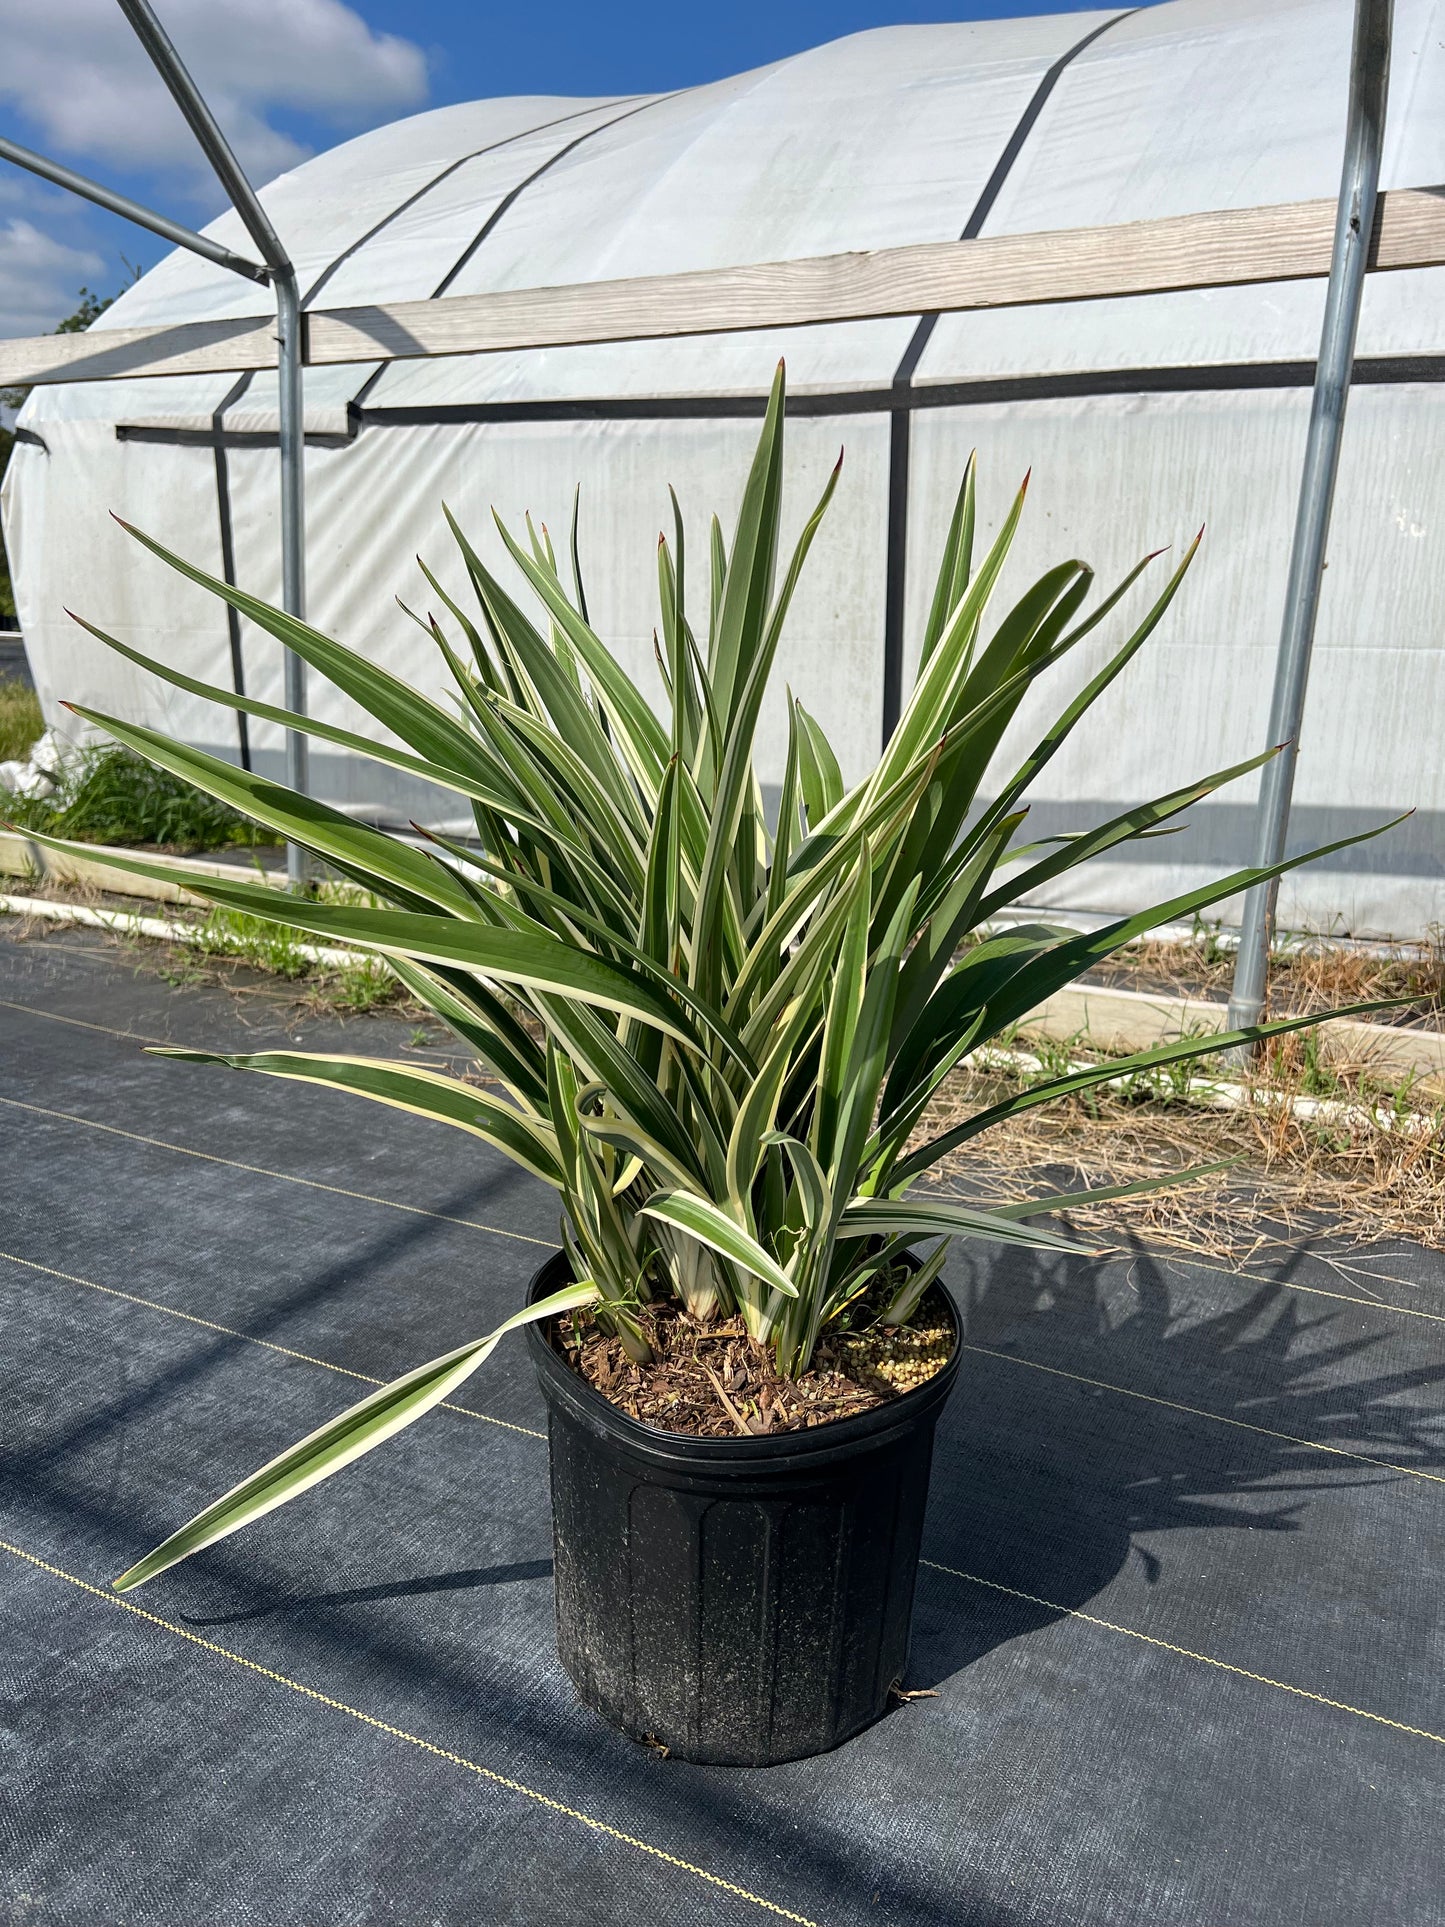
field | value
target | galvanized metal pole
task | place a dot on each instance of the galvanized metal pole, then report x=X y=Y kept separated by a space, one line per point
x=1354 y=226
x=122 y=204
x=290 y=355
x=289 y=361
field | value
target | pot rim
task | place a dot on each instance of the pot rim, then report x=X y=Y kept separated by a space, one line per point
x=817 y=1446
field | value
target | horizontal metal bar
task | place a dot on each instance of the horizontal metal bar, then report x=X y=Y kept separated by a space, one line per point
x=122 y=204
x=1086 y=384
x=1235 y=248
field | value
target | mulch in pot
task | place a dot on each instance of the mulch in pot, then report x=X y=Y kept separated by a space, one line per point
x=713 y=1381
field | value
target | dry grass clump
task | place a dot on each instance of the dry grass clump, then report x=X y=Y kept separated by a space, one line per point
x=1364 y=1168
x=1306 y=973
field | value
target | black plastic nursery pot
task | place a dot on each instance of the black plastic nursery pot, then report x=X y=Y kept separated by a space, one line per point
x=740 y=1601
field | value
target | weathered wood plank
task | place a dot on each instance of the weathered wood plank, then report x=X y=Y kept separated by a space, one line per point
x=1235 y=247
x=1083 y=264
x=112 y=354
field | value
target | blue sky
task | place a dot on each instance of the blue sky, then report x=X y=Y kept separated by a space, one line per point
x=640 y=48
x=290 y=77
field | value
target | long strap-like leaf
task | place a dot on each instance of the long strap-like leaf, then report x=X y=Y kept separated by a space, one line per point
x=536 y=960
x=341 y=1440
x=927 y=1217
x=406 y=1087
x=1069 y=960
x=1048 y=1090
x=712 y=1226
x=386 y=862
x=394 y=703
x=464 y=782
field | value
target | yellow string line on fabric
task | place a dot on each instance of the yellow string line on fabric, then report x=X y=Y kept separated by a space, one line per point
x=1192 y=1264
x=1196 y=1411
x=287 y=1177
x=266 y=1344
x=985 y=1351
x=954 y=1571
x=81 y=1023
x=1187 y=1652
x=411 y=1739
x=163 y=1043
x=1314 y=1291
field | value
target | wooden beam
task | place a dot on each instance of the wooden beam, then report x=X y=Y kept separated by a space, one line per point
x=1233 y=248
x=1015 y=270
x=114 y=354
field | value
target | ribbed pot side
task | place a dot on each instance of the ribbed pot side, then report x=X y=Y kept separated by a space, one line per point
x=740 y=1601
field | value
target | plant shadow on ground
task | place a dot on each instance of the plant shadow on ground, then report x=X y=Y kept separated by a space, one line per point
x=1041 y=1483
x=463 y=1581
x=327 y=1284
x=1065 y=1439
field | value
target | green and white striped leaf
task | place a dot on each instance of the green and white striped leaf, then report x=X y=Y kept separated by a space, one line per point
x=712 y=1226
x=394 y=703
x=538 y=961
x=385 y=861
x=342 y=1440
x=1112 y=1069
x=936 y=1216
x=405 y=1087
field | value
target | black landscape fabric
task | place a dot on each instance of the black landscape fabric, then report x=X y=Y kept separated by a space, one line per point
x=1180 y=1607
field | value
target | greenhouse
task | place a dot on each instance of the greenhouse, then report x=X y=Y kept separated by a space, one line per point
x=715 y=1257
x=1140 y=418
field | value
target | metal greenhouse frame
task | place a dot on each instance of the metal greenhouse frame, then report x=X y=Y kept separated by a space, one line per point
x=1363 y=230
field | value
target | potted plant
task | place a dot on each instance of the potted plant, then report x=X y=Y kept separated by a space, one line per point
x=717 y=1040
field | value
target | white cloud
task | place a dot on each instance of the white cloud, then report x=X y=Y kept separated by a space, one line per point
x=40 y=277
x=76 y=71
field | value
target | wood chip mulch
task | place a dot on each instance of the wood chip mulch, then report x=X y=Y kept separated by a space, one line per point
x=713 y=1381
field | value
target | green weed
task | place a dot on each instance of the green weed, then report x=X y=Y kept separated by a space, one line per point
x=21 y=722
x=273 y=947
x=109 y=795
x=349 y=989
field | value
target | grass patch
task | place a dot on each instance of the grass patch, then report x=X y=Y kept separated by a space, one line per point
x=21 y=723
x=109 y=795
x=235 y=952
x=277 y=948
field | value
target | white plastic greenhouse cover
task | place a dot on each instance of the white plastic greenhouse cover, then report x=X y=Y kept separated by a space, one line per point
x=1140 y=418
